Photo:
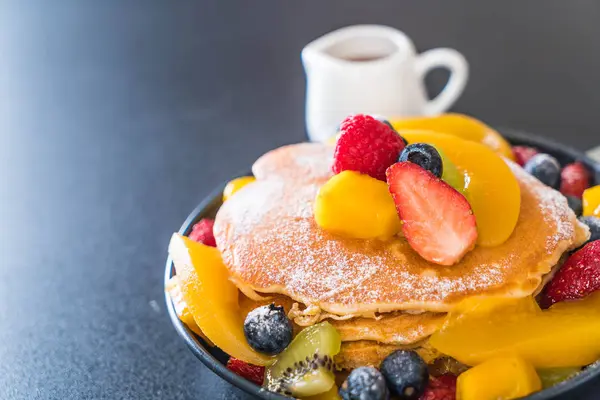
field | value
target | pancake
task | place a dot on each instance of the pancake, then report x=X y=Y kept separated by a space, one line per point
x=392 y=328
x=268 y=239
x=395 y=328
x=309 y=162
x=358 y=354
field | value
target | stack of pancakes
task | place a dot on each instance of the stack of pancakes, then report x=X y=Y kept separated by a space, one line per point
x=380 y=295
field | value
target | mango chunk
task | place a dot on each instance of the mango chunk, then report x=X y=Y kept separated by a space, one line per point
x=212 y=298
x=236 y=184
x=356 y=206
x=591 y=202
x=565 y=335
x=498 y=378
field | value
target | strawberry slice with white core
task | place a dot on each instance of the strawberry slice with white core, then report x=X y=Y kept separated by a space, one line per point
x=437 y=220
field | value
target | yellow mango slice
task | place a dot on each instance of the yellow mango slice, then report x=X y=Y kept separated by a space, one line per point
x=235 y=185
x=212 y=298
x=498 y=378
x=591 y=202
x=357 y=206
x=491 y=187
x=181 y=308
x=463 y=126
x=565 y=335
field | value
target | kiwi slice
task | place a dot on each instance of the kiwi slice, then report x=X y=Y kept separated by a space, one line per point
x=553 y=376
x=451 y=175
x=305 y=367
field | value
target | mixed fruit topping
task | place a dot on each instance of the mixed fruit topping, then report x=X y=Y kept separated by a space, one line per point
x=450 y=193
x=512 y=378
x=489 y=185
x=442 y=183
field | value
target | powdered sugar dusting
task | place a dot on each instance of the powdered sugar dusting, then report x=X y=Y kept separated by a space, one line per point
x=270 y=242
x=553 y=206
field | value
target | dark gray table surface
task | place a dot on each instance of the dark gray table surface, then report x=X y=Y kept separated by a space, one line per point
x=116 y=118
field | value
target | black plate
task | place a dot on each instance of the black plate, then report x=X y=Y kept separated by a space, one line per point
x=215 y=359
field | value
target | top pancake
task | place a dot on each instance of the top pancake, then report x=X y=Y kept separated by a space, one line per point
x=271 y=244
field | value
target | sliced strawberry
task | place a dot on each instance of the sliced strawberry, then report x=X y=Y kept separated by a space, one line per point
x=253 y=373
x=437 y=220
x=578 y=277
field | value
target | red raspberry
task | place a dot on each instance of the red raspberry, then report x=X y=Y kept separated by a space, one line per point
x=575 y=178
x=366 y=145
x=440 y=388
x=523 y=154
x=202 y=232
x=253 y=373
x=578 y=277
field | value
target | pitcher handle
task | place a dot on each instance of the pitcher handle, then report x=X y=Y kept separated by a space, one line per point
x=459 y=74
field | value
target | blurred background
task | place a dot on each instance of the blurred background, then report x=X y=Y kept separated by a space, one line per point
x=117 y=118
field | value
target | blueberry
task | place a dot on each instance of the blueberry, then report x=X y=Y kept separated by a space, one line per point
x=545 y=168
x=594 y=224
x=268 y=330
x=425 y=156
x=364 y=383
x=406 y=374
x=575 y=204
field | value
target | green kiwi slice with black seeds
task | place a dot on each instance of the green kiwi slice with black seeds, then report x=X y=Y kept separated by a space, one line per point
x=305 y=367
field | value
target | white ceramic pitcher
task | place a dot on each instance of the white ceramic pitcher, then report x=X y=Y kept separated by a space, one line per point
x=373 y=69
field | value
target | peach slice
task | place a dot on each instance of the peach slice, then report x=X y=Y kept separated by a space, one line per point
x=498 y=378
x=565 y=335
x=491 y=188
x=181 y=308
x=235 y=185
x=212 y=298
x=460 y=125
